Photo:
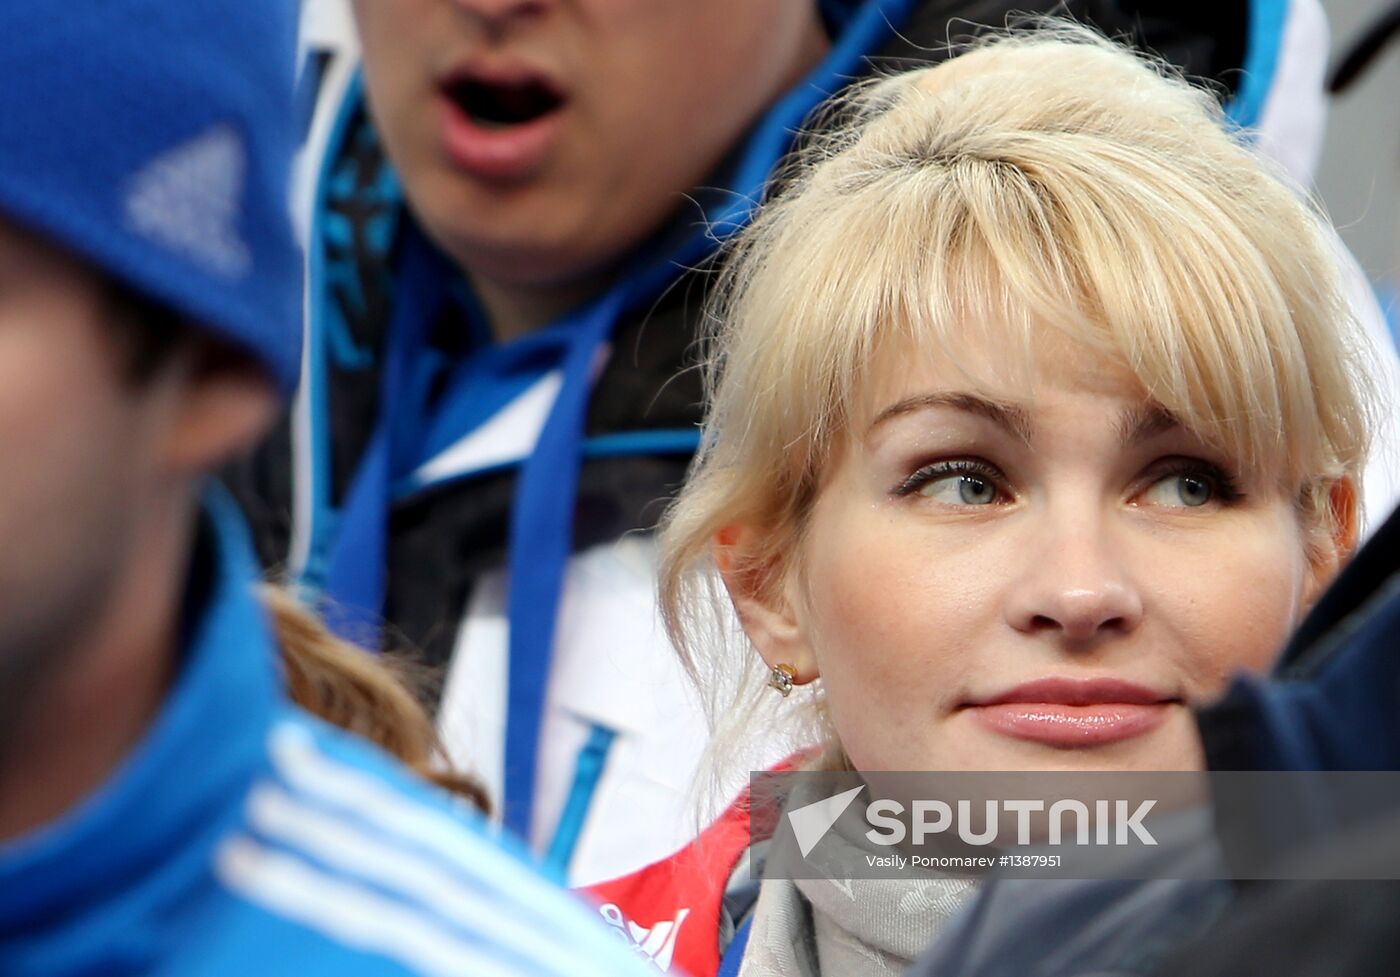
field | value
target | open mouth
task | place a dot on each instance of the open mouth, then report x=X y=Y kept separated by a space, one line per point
x=501 y=105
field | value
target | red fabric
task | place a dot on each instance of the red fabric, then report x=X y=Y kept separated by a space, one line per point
x=691 y=881
x=646 y=906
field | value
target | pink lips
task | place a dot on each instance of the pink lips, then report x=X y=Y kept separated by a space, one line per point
x=1068 y=713
x=500 y=154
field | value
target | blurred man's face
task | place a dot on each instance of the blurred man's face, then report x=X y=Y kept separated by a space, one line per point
x=76 y=442
x=539 y=140
x=108 y=422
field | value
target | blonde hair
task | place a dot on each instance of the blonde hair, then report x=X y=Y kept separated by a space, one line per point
x=1047 y=179
x=368 y=695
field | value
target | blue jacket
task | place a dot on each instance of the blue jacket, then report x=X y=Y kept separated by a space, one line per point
x=241 y=837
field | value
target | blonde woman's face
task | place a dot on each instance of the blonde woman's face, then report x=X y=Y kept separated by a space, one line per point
x=1036 y=576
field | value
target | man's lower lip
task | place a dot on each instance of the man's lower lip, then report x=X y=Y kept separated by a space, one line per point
x=1071 y=726
x=504 y=154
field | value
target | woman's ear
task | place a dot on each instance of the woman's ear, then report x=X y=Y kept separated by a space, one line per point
x=1333 y=552
x=1344 y=502
x=766 y=599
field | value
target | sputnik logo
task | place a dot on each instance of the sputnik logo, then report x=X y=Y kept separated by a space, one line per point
x=811 y=822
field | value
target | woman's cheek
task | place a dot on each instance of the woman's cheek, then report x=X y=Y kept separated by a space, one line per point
x=1239 y=618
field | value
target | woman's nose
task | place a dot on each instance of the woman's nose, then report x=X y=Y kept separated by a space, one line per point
x=1077 y=586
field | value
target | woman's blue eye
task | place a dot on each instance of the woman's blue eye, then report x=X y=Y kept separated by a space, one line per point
x=960 y=489
x=1181 y=491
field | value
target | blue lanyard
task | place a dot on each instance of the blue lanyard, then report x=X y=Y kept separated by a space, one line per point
x=356 y=570
x=541 y=539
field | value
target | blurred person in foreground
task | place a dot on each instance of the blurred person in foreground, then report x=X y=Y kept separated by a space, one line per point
x=164 y=808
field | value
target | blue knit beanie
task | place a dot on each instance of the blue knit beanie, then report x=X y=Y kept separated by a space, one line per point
x=154 y=138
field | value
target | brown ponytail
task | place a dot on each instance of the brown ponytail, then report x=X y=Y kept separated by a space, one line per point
x=365 y=694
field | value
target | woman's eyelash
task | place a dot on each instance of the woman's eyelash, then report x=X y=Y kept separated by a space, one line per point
x=941 y=469
x=1225 y=484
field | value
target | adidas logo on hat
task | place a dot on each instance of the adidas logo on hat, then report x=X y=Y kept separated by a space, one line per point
x=188 y=200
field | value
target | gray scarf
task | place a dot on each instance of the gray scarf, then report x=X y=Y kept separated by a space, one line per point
x=848 y=928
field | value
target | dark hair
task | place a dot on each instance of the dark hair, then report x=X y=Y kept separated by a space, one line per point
x=149 y=331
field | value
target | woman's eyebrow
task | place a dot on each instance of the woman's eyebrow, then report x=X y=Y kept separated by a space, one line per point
x=1015 y=420
x=1137 y=424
